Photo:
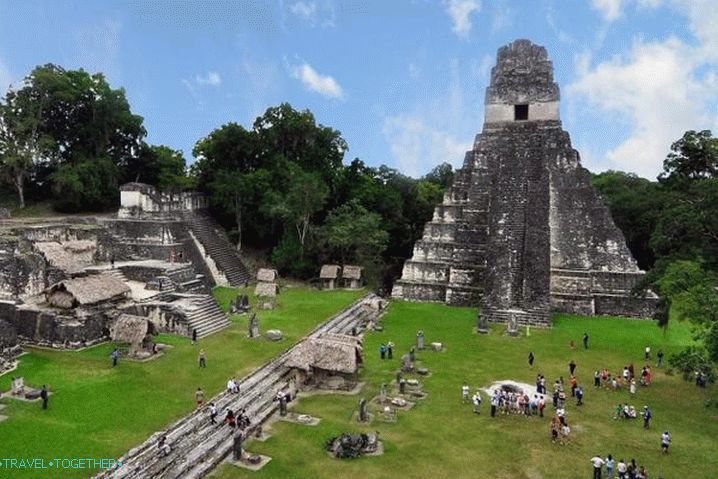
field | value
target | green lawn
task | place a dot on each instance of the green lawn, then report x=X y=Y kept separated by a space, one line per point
x=441 y=438
x=100 y=411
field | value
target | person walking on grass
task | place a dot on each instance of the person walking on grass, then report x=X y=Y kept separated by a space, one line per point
x=585 y=340
x=646 y=417
x=115 y=355
x=199 y=397
x=665 y=442
x=194 y=336
x=659 y=355
x=572 y=368
x=390 y=350
x=609 y=466
x=44 y=396
x=476 y=399
x=382 y=351
x=598 y=463
x=531 y=359
x=202 y=359
x=622 y=469
x=465 y=393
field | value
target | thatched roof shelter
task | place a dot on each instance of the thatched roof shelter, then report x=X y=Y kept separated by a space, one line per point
x=331 y=352
x=86 y=290
x=329 y=271
x=268 y=290
x=132 y=329
x=266 y=275
x=352 y=272
x=70 y=256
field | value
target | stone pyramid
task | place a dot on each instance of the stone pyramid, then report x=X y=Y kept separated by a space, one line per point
x=521 y=231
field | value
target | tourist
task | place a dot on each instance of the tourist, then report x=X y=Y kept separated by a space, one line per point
x=44 y=396
x=572 y=368
x=230 y=419
x=162 y=446
x=619 y=412
x=644 y=376
x=194 y=331
x=476 y=399
x=659 y=355
x=597 y=379
x=701 y=379
x=531 y=359
x=646 y=417
x=541 y=406
x=115 y=355
x=609 y=466
x=382 y=351
x=390 y=350
x=622 y=469
x=555 y=427
x=202 y=359
x=585 y=340
x=574 y=384
x=626 y=374
x=579 y=396
x=199 y=397
x=243 y=421
x=212 y=413
x=642 y=473
x=631 y=371
x=543 y=384
x=665 y=442
x=494 y=403
x=632 y=387
x=598 y=463
x=465 y=393
x=647 y=353
x=112 y=261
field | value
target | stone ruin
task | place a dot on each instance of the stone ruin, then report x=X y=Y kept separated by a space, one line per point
x=162 y=254
x=348 y=446
x=521 y=231
x=267 y=288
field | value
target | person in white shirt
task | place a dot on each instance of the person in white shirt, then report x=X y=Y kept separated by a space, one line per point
x=665 y=442
x=465 y=393
x=598 y=463
x=622 y=469
x=476 y=399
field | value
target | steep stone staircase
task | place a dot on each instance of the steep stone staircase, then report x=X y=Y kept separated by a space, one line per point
x=206 y=317
x=218 y=247
x=199 y=446
x=116 y=273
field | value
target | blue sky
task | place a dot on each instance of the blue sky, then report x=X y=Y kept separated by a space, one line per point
x=402 y=80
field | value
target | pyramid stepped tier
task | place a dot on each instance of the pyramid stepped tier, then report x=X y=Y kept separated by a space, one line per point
x=218 y=247
x=522 y=231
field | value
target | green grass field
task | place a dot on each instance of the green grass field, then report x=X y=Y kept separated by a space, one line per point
x=441 y=438
x=100 y=411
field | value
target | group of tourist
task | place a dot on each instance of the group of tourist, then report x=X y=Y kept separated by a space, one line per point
x=627 y=411
x=386 y=351
x=623 y=469
x=510 y=402
x=232 y=386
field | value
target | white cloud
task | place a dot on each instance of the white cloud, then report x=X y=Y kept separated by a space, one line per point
x=610 y=9
x=460 y=12
x=314 y=81
x=305 y=10
x=432 y=130
x=656 y=90
x=211 y=78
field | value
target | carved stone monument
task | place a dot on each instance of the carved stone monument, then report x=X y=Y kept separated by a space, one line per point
x=406 y=363
x=522 y=231
x=363 y=414
x=253 y=326
x=420 y=340
x=238 y=439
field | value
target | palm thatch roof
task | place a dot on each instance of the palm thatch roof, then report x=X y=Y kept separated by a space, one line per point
x=329 y=271
x=267 y=275
x=351 y=272
x=132 y=329
x=87 y=290
x=269 y=290
x=69 y=256
x=332 y=352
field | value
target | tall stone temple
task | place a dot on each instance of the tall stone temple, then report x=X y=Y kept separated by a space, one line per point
x=521 y=231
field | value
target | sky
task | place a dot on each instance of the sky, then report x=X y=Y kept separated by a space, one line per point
x=403 y=80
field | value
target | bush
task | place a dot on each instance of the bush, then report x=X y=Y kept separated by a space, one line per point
x=691 y=360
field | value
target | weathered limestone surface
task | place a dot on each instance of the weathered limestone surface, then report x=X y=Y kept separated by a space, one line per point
x=521 y=229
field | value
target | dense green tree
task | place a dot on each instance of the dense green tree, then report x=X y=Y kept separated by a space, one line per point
x=160 y=166
x=441 y=175
x=694 y=156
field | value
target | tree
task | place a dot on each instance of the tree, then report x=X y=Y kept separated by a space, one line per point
x=306 y=196
x=160 y=166
x=353 y=234
x=694 y=156
x=23 y=142
x=442 y=175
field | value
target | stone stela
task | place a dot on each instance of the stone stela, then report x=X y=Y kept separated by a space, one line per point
x=522 y=232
